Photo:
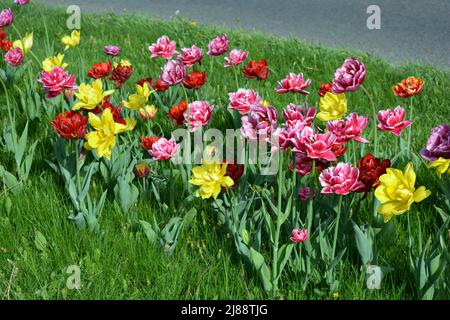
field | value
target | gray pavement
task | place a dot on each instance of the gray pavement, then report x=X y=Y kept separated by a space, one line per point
x=411 y=30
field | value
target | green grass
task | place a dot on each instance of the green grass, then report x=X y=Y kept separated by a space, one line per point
x=120 y=262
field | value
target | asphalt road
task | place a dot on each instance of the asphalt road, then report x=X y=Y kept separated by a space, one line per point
x=411 y=30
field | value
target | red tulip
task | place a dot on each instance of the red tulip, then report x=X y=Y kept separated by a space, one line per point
x=177 y=113
x=147 y=142
x=195 y=80
x=256 y=69
x=70 y=125
x=370 y=169
x=100 y=70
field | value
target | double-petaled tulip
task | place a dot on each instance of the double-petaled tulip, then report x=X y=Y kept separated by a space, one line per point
x=21 y=2
x=305 y=193
x=190 y=56
x=6 y=17
x=90 y=95
x=163 y=48
x=71 y=40
x=332 y=107
x=177 y=113
x=199 y=114
x=341 y=179
x=164 y=149
x=195 y=80
x=56 y=81
x=56 y=61
x=14 y=57
x=173 y=73
x=210 y=177
x=234 y=171
x=296 y=113
x=111 y=50
x=318 y=146
x=303 y=164
x=236 y=58
x=349 y=76
x=438 y=144
x=324 y=88
x=408 y=87
x=397 y=192
x=70 y=125
x=442 y=165
x=121 y=72
x=243 y=100
x=299 y=235
x=370 y=170
x=103 y=138
x=260 y=122
x=5 y=45
x=256 y=69
x=393 y=120
x=147 y=142
x=294 y=83
x=100 y=70
x=348 y=129
x=218 y=45
x=3 y=34
x=130 y=123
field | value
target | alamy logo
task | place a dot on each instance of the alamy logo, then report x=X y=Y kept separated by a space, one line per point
x=374 y=20
x=74 y=20
x=373 y=277
x=74 y=280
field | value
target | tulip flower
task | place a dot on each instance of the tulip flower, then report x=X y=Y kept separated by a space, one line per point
x=348 y=129
x=195 y=80
x=256 y=69
x=100 y=70
x=397 y=192
x=14 y=57
x=236 y=58
x=142 y=169
x=138 y=99
x=408 y=87
x=299 y=235
x=72 y=40
x=177 y=113
x=164 y=149
x=147 y=142
x=324 y=88
x=25 y=44
x=90 y=95
x=173 y=73
x=111 y=50
x=438 y=144
x=163 y=48
x=295 y=113
x=190 y=56
x=341 y=179
x=218 y=46
x=243 y=100
x=392 y=120
x=442 y=165
x=56 y=61
x=70 y=125
x=349 y=76
x=210 y=177
x=103 y=138
x=6 y=17
x=332 y=107
x=121 y=72
x=294 y=83
x=148 y=112
x=56 y=81
x=200 y=113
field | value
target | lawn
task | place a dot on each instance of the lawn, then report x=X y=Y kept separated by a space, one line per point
x=38 y=242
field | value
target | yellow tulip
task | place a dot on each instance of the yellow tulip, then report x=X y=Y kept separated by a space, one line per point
x=56 y=61
x=397 y=192
x=123 y=63
x=211 y=178
x=139 y=99
x=71 y=41
x=25 y=44
x=332 y=107
x=148 y=112
x=90 y=96
x=264 y=103
x=441 y=165
x=103 y=138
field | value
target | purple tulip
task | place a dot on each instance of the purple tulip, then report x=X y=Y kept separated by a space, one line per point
x=438 y=144
x=21 y=2
x=260 y=121
x=111 y=50
x=6 y=17
x=14 y=57
x=349 y=76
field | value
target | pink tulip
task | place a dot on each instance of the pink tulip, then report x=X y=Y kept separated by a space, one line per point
x=163 y=48
x=56 y=81
x=305 y=193
x=295 y=113
x=164 y=149
x=243 y=100
x=190 y=56
x=298 y=139
x=261 y=121
x=341 y=179
x=318 y=146
x=294 y=83
x=218 y=45
x=303 y=164
x=287 y=136
x=349 y=76
x=173 y=73
x=348 y=129
x=299 y=235
x=236 y=58
x=6 y=17
x=392 y=120
x=21 y=2
x=111 y=50
x=14 y=57
x=199 y=114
